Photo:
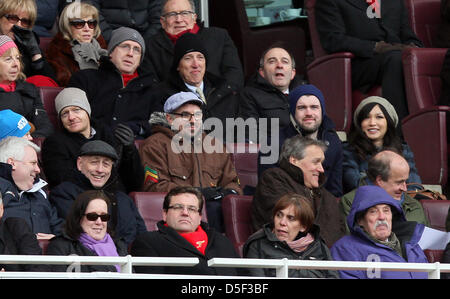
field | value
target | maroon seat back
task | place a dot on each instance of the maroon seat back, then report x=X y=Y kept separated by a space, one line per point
x=436 y=212
x=237 y=219
x=245 y=158
x=434 y=255
x=315 y=39
x=48 y=95
x=425 y=18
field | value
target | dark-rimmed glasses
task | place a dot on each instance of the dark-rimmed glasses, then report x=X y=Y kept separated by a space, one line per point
x=172 y=15
x=180 y=208
x=94 y=217
x=187 y=116
x=78 y=24
x=14 y=19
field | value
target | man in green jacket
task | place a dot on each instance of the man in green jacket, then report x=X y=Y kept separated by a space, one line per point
x=389 y=171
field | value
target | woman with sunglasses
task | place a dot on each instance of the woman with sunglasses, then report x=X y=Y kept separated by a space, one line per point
x=86 y=233
x=78 y=45
x=17 y=19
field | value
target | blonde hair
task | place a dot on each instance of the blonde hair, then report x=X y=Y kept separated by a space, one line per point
x=21 y=75
x=14 y=6
x=77 y=10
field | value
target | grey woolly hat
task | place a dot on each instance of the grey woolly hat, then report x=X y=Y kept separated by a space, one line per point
x=98 y=148
x=122 y=34
x=179 y=99
x=380 y=101
x=71 y=96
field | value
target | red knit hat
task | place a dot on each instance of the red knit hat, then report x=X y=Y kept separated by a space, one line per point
x=6 y=43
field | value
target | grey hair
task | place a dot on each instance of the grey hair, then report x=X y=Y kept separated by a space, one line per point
x=163 y=5
x=14 y=147
x=380 y=164
x=296 y=146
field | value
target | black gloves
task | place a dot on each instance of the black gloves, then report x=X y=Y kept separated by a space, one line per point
x=124 y=135
x=26 y=38
x=216 y=193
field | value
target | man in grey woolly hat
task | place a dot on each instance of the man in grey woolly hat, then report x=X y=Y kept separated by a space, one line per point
x=123 y=34
x=72 y=96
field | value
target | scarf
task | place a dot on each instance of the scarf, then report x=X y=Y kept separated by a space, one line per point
x=87 y=55
x=198 y=239
x=8 y=87
x=392 y=242
x=104 y=247
x=301 y=244
x=175 y=37
x=127 y=78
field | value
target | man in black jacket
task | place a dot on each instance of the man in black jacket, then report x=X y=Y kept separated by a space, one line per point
x=376 y=35
x=95 y=170
x=181 y=233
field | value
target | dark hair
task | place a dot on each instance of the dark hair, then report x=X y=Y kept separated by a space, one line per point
x=281 y=45
x=380 y=165
x=303 y=210
x=180 y=190
x=72 y=225
x=362 y=144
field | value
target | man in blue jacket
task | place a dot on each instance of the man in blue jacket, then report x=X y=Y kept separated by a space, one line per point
x=379 y=232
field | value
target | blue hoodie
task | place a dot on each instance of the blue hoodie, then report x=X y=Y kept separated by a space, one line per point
x=359 y=247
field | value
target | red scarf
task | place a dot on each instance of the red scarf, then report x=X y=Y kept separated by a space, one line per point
x=198 y=239
x=127 y=78
x=8 y=87
x=175 y=37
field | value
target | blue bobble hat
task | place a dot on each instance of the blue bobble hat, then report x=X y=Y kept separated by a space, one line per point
x=13 y=124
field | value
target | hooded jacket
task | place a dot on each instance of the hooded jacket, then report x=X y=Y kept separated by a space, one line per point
x=359 y=247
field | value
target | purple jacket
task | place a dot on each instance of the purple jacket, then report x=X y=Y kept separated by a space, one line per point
x=358 y=247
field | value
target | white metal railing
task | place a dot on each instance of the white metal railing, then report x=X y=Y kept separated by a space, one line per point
x=128 y=262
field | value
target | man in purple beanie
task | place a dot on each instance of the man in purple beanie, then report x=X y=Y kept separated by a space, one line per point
x=309 y=119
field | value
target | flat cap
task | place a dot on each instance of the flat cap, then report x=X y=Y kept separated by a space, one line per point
x=98 y=148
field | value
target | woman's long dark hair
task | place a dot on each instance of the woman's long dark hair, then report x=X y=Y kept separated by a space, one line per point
x=363 y=146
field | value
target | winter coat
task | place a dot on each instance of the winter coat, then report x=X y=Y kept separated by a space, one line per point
x=264 y=244
x=26 y=101
x=65 y=245
x=354 y=169
x=16 y=238
x=222 y=56
x=31 y=205
x=359 y=247
x=47 y=12
x=166 y=242
x=170 y=169
x=60 y=56
x=111 y=102
x=287 y=178
x=60 y=152
x=332 y=164
x=126 y=220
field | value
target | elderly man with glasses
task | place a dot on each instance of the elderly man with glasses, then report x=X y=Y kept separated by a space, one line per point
x=177 y=18
x=182 y=233
x=179 y=153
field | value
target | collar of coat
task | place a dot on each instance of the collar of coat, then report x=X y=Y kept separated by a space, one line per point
x=297 y=174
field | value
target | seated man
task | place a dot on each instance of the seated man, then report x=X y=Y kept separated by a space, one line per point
x=266 y=93
x=379 y=232
x=300 y=171
x=96 y=170
x=389 y=171
x=119 y=91
x=21 y=187
x=178 y=153
x=60 y=150
x=177 y=18
x=181 y=233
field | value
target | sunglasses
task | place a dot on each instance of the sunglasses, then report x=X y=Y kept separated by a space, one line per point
x=94 y=217
x=14 y=19
x=78 y=24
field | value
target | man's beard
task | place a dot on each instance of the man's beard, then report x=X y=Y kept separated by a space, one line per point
x=309 y=130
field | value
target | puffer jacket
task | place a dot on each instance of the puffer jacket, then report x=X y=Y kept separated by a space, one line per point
x=359 y=247
x=166 y=169
x=264 y=244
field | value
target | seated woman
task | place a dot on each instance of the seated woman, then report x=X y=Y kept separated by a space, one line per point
x=86 y=233
x=78 y=45
x=292 y=235
x=16 y=94
x=373 y=129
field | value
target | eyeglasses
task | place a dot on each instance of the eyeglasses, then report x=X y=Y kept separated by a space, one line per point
x=127 y=47
x=187 y=116
x=78 y=24
x=94 y=217
x=184 y=14
x=180 y=208
x=14 y=19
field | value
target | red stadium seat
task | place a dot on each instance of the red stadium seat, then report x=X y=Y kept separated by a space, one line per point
x=48 y=95
x=436 y=212
x=425 y=18
x=245 y=158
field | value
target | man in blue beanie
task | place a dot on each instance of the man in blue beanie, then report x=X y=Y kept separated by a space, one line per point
x=308 y=118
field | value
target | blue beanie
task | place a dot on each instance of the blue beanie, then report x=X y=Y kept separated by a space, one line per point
x=306 y=89
x=13 y=124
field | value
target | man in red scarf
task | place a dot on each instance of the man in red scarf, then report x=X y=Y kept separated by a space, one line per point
x=182 y=233
x=178 y=17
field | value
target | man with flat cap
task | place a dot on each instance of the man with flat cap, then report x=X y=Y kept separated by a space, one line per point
x=179 y=153
x=119 y=90
x=96 y=169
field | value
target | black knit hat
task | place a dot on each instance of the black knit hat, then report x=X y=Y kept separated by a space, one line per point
x=187 y=43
